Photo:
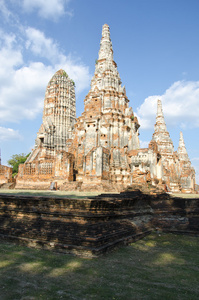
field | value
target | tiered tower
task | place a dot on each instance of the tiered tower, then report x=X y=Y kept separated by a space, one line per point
x=59 y=116
x=182 y=152
x=50 y=160
x=102 y=145
x=161 y=135
x=169 y=160
x=107 y=129
x=187 y=172
x=59 y=112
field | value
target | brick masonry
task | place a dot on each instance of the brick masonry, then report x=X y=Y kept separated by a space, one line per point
x=101 y=148
x=5 y=175
x=94 y=225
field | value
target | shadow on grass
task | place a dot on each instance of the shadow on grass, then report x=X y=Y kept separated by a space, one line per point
x=158 y=267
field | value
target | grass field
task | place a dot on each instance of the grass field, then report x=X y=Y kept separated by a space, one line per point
x=160 y=266
x=72 y=194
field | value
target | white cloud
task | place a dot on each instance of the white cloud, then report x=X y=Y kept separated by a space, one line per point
x=23 y=97
x=76 y=71
x=5 y=12
x=144 y=144
x=41 y=45
x=7 y=16
x=9 y=134
x=22 y=85
x=195 y=159
x=10 y=53
x=180 y=106
x=52 y=9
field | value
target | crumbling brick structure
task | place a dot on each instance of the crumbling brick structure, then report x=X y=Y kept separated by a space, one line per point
x=101 y=147
x=94 y=225
x=5 y=174
x=50 y=159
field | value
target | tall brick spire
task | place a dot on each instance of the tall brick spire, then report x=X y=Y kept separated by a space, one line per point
x=106 y=79
x=182 y=152
x=160 y=125
x=107 y=129
x=59 y=110
x=59 y=116
x=106 y=51
x=100 y=149
x=161 y=135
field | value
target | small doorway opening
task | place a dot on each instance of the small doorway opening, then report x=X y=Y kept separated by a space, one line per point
x=74 y=172
x=41 y=141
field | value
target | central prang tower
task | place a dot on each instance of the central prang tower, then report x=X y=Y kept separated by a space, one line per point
x=107 y=129
x=100 y=150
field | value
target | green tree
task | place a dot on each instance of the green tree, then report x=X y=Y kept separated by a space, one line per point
x=15 y=160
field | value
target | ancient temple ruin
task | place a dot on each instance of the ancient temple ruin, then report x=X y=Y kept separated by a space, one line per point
x=5 y=175
x=59 y=115
x=100 y=149
x=49 y=159
x=174 y=168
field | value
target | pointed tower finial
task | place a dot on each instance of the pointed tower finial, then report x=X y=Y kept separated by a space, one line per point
x=161 y=135
x=182 y=152
x=181 y=141
x=106 y=50
x=159 y=108
x=106 y=75
x=160 y=125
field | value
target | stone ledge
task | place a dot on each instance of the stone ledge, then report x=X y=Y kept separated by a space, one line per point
x=94 y=225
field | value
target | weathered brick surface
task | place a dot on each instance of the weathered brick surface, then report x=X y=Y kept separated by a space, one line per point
x=177 y=215
x=86 y=226
x=103 y=143
x=5 y=175
x=92 y=226
x=174 y=167
x=50 y=159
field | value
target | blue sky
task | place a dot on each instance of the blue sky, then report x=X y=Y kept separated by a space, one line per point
x=156 y=48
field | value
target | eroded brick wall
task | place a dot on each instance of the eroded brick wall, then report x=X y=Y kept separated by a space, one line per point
x=88 y=226
x=92 y=226
x=5 y=174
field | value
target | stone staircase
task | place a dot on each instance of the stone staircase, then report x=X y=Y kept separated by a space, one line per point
x=33 y=155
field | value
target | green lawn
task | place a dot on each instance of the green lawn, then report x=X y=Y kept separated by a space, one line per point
x=181 y=195
x=71 y=194
x=162 y=266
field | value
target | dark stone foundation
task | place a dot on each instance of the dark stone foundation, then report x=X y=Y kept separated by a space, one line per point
x=92 y=226
x=177 y=215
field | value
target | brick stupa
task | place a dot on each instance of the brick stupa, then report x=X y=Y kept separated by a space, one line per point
x=107 y=129
x=100 y=150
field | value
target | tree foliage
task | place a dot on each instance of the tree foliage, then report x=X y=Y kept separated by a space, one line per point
x=16 y=160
